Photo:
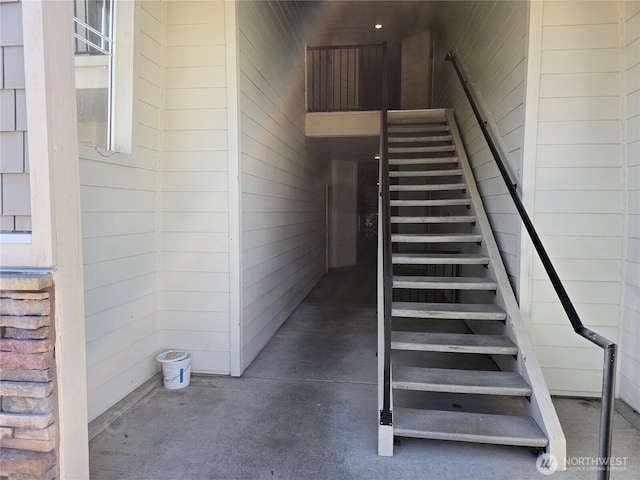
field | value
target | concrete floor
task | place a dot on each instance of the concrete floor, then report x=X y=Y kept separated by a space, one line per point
x=306 y=409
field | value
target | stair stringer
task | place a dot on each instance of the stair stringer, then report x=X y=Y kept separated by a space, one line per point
x=539 y=407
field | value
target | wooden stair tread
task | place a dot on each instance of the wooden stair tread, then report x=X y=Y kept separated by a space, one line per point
x=422 y=116
x=427 y=187
x=439 y=259
x=419 y=139
x=425 y=173
x=449 y=380
x=435 y=237
x=405 y=117
x=457 y=283
x=422 y=161
x=422 y=149
x=453 y=343
x=417 y=128
x=453 y=311
x=430 y=203
x=468 y=427
x=435 y=219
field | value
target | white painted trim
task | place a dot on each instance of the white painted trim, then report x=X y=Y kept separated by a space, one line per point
x=385 y=440
x=236 y=362
x=92 y=61
x=122 y=77
x=39 y=252
x=529 y=152
x=15 y=237
x=625 y=197
x=55 y=196
x=342 y=124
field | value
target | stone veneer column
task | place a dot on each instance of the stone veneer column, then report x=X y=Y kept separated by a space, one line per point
x=28 y=428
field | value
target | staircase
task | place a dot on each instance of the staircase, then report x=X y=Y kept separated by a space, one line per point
x=462 y=367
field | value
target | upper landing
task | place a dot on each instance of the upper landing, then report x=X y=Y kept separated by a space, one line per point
x=356 y=123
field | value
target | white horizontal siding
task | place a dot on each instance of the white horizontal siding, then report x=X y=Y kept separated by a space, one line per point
x=119 y=222
x=602 y=60
x=194 y=226
x=282 y=187
x=490 y=38
x=630 y=331
x=593 y=315
x=578 y=200
x=135 y=361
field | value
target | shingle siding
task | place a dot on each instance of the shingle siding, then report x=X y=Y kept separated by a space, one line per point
x=15 y=202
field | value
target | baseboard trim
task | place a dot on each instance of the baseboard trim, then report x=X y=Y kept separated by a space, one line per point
x=104 y=420
x=627 y=412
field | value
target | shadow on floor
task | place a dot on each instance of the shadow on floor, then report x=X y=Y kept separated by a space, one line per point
x=306 y=409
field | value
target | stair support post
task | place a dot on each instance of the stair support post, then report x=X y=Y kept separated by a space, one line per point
x=385 y=278
x=606 y=412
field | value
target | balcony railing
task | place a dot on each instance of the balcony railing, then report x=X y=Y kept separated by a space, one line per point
x=344 y=78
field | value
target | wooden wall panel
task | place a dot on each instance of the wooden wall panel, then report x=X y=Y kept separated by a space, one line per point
x=194 y=198
x=490 y=38
x=283 y=227
x=630 y=330
x=579 y=195
x=119 y=196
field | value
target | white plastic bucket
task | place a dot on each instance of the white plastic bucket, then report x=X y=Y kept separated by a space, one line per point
x=176 y=368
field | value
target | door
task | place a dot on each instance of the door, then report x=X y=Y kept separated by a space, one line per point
x=344 y=213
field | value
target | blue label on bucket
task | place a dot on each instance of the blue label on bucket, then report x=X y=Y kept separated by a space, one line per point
x=181 y=375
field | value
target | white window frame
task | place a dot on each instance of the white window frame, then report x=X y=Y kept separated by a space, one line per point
x=117 y=60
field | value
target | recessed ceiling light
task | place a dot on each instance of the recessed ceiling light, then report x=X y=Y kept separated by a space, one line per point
x=377 y=26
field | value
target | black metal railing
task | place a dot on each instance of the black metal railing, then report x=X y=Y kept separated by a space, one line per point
x=386 y=416
x=609 y=347
x=344 y=78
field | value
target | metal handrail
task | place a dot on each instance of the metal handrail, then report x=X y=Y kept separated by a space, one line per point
x=608 y=375
x=386 y=415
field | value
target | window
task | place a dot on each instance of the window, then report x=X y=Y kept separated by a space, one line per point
x=92 y=26
x=104 y=73
x=94 y=67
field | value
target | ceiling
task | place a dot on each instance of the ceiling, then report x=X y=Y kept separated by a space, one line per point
x=352 y=22
x=346 y=22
